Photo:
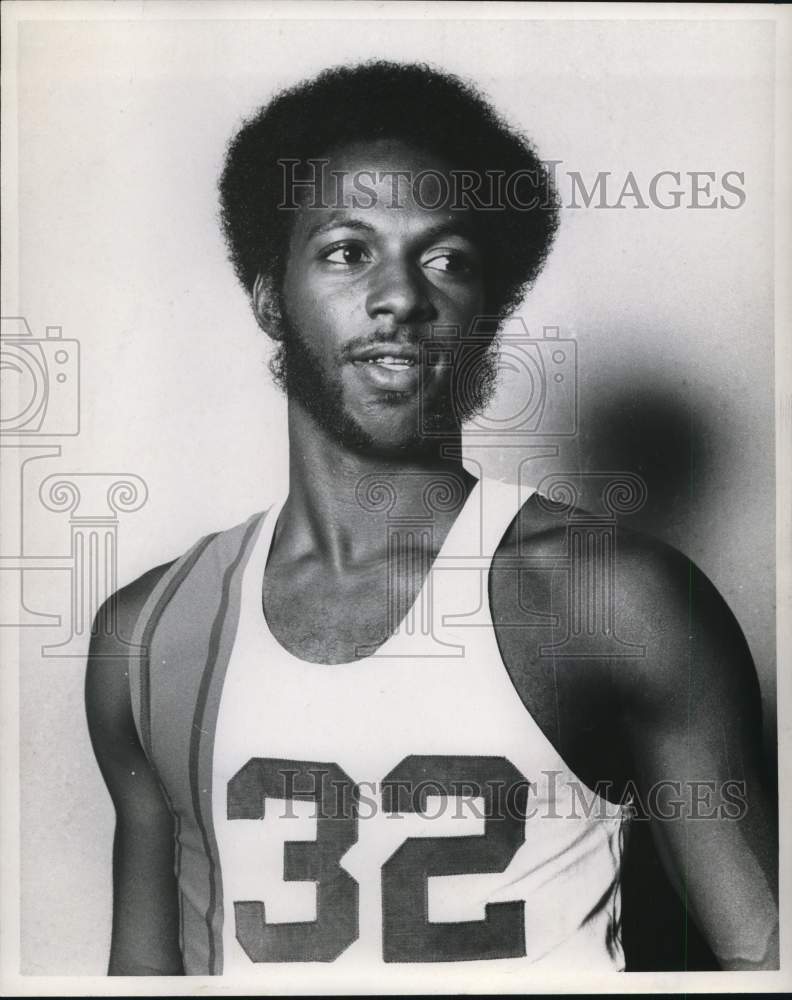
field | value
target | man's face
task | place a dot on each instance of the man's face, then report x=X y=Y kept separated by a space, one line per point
x=364 y=285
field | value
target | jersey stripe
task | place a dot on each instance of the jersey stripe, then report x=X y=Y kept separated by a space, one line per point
x=181 y=570
x=163 y=594
x=220 y=643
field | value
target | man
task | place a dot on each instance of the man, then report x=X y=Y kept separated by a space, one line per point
x=308 y=776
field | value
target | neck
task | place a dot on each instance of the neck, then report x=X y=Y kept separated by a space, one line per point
x=341 y=501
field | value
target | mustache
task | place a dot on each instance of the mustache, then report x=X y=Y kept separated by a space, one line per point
x=413 y=336
x=401 y=337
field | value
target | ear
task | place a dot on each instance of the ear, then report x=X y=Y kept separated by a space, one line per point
x=266 y=308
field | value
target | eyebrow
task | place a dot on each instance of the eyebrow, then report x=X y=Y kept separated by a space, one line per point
x=460 y=227
x=339 y=222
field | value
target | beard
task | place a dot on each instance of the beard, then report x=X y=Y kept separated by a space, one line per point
x=463 y=394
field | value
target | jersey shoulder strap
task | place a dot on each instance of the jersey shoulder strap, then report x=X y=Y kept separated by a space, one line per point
x=177 y=634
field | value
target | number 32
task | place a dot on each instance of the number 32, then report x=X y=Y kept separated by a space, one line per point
x=408 y=935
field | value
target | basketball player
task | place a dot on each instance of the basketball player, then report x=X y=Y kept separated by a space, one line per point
x=309 y=782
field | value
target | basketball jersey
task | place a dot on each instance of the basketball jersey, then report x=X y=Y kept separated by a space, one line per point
x=399 y=811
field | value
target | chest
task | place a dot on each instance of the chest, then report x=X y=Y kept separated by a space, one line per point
x=331 y=617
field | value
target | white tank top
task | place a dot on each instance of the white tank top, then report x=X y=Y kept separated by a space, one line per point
x=425 y=739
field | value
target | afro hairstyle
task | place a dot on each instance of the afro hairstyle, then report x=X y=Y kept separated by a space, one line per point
x=413 y=103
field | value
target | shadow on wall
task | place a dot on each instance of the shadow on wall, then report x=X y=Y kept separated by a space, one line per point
x=652 y=430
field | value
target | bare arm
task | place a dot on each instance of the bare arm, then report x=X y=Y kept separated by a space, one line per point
x=145 y=936
x=694 y=724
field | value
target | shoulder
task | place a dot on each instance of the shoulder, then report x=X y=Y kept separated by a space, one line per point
x=111 y=650
x=655 y=597
x=116 y=620
x=648 y=573
x=217 y=547
x=114 y=655
x=107 y=693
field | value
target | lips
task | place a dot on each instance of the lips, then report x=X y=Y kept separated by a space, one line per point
x=392 y=367
x=390 y=355
x=388 y=365
x=390 y=362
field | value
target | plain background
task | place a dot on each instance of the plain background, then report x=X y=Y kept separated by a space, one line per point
x=122 y=128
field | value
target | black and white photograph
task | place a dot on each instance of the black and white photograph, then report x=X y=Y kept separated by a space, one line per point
x=396 y=498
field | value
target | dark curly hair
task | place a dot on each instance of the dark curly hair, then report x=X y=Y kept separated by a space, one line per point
x=413 y=103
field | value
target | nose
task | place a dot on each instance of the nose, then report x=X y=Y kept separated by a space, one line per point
x=400 y=291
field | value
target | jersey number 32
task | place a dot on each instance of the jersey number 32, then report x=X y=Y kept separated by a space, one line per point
x=408 y=935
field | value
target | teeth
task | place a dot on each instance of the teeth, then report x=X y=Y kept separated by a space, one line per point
x=391 y=361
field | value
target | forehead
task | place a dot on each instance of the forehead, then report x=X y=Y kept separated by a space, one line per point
x=386 y=155
x=390 y=183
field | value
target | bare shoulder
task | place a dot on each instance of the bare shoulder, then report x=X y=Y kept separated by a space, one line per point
x=107 y=675
x=658 y=600
x=107 y=699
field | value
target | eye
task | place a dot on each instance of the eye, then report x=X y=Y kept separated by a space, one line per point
x=346 y=253
x=450 y=261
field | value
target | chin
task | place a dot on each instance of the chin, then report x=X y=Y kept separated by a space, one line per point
x=390 y=447
x=389 y=442
x=396 y=434
x=391 y=428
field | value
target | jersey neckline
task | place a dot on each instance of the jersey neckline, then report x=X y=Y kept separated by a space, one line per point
x=253 y=589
